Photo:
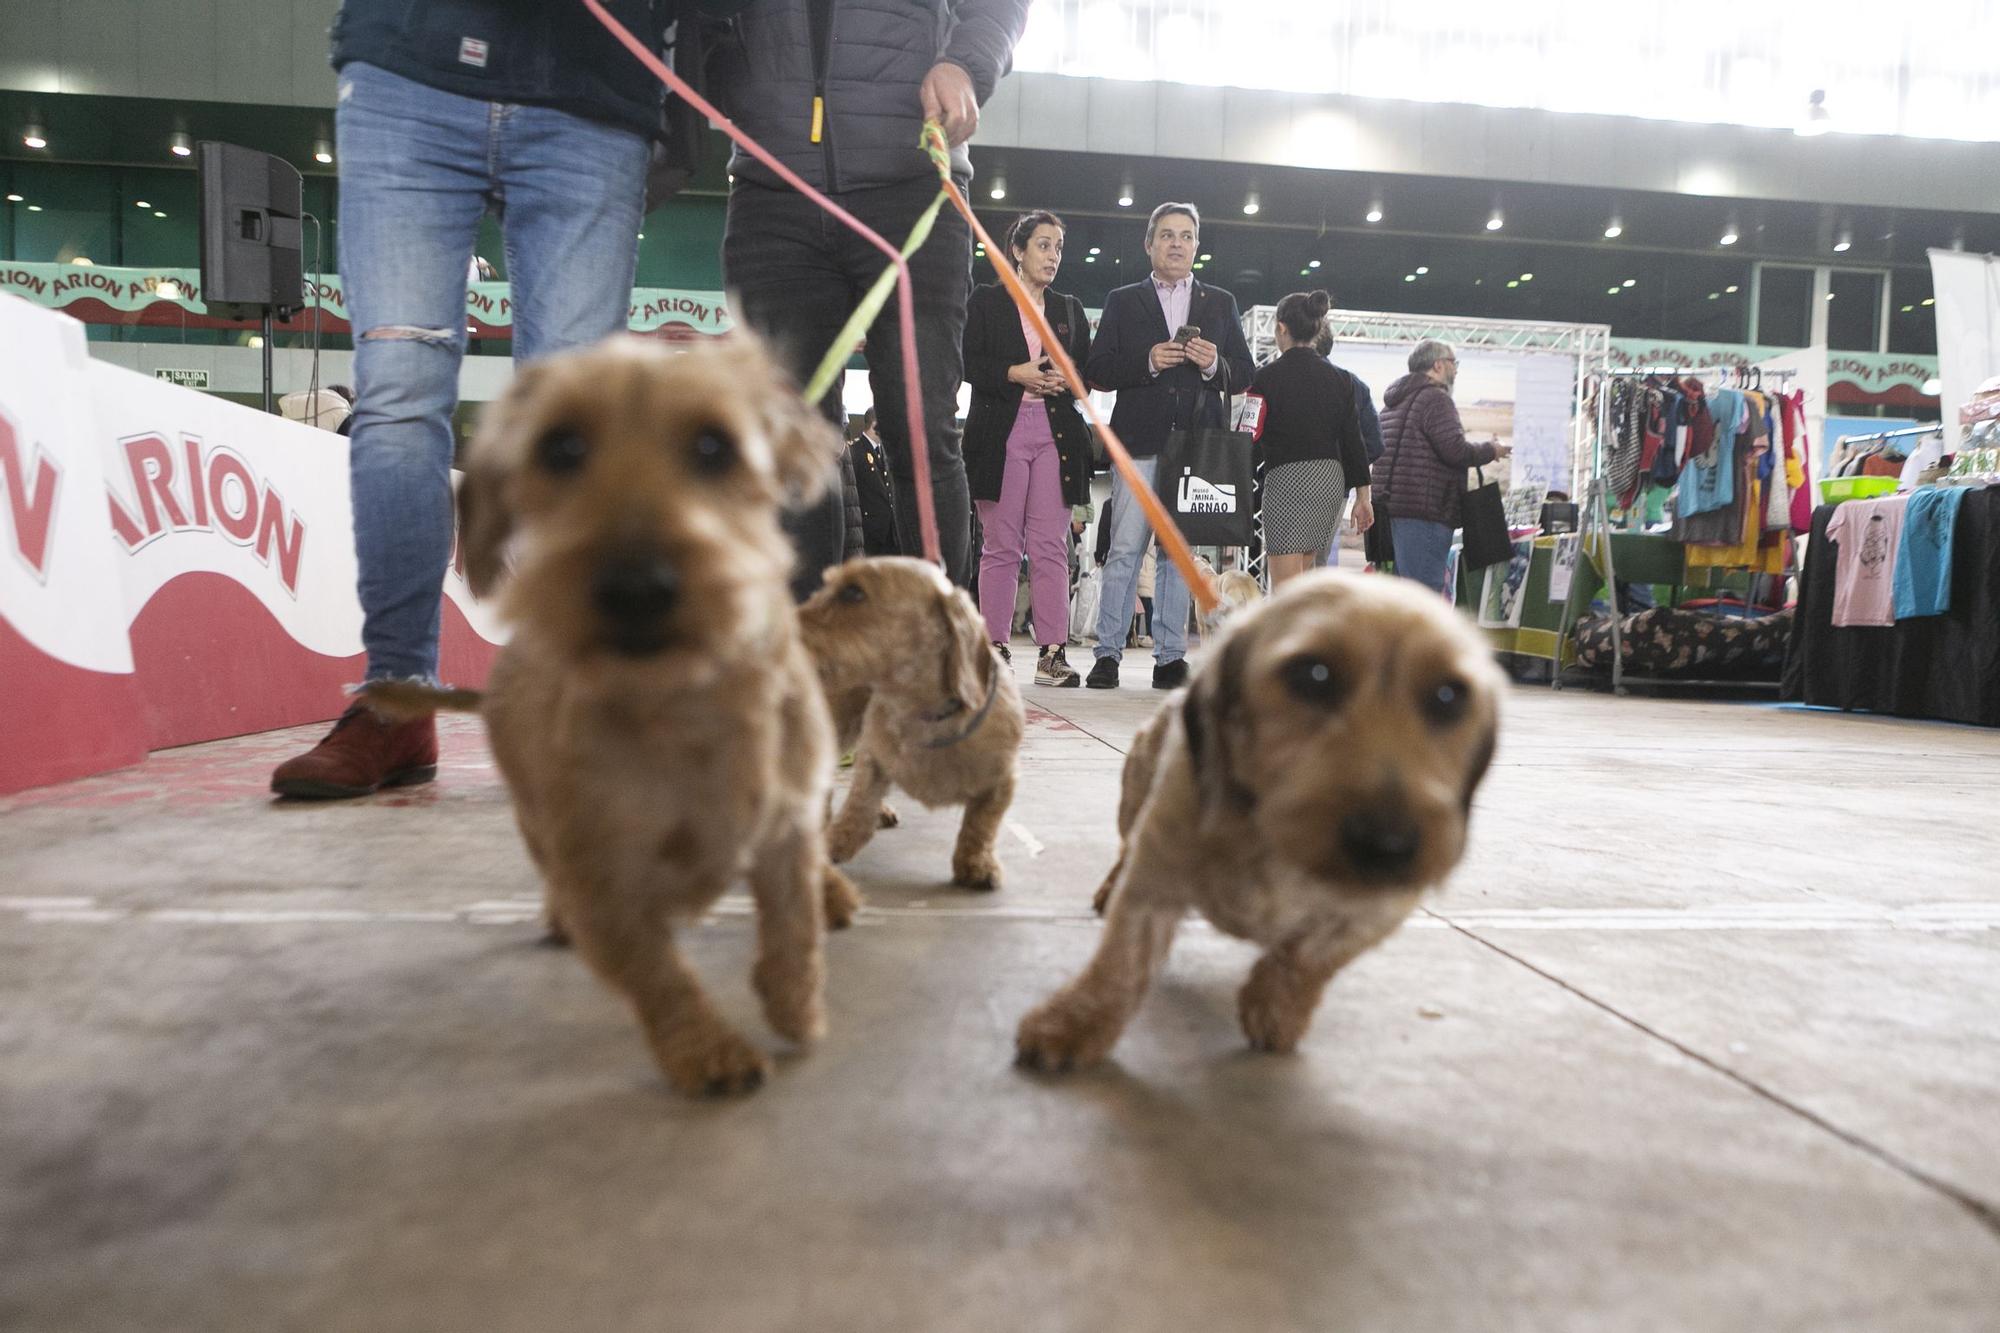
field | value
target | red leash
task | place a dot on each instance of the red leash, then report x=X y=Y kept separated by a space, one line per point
x=913 y=398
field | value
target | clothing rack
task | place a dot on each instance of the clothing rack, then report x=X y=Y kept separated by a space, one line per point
x=1908 y=432
x=1594 y=512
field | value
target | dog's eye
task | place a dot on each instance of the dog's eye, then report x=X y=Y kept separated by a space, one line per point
x=1315 y=682
x=561 y=452
x=1445 y=703
x=714 y=453
x=853 y=592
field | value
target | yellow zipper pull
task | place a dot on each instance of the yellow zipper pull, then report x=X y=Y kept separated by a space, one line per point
x=819 y=116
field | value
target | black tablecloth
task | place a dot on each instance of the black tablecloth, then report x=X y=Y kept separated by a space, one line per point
x=1944 y=666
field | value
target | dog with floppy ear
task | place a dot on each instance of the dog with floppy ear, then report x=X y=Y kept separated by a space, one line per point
x=1303 y=792
x=943 y=719
x=654 y=714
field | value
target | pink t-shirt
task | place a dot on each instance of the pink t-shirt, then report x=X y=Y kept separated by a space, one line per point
x=1864 y=581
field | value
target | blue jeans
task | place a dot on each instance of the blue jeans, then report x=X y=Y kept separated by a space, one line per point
x=1421 y=550
x=1130 y=536
x=419 y=168
x=797 y=274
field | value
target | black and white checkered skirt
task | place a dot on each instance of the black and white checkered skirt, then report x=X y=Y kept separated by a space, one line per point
x=1302 y=503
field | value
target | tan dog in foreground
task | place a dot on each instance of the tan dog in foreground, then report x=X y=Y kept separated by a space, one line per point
x=655 y=716
x=1314 y=779
x=943 y=718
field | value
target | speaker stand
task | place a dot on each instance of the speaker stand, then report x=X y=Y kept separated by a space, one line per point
x=267 y=363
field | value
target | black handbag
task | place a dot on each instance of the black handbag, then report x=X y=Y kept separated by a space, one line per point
x=1378 y=544
x=1487 y=540
x=1205 y=478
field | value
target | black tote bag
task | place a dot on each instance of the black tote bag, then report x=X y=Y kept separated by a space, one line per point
x=1487 y=541
x=1204 y=477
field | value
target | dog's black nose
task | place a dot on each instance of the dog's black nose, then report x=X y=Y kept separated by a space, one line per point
x=636 y=591
x=1380 y=843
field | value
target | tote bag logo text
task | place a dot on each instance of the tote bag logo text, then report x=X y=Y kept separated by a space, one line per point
x=1197 y=495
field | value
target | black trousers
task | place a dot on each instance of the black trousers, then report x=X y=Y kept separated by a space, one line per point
x=797 y=274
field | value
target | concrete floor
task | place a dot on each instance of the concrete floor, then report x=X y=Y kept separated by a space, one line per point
x=1704 y=1035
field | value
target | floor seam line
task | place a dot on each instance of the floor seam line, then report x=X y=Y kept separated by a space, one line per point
x=1983 y=1212
x=1080 y=727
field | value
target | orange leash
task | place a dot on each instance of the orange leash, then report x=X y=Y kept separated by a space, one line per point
x=1157 y=517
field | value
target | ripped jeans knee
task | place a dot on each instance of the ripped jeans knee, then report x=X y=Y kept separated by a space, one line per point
x=408 y=333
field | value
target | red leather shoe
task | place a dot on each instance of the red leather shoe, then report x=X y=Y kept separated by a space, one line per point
x=363 y=753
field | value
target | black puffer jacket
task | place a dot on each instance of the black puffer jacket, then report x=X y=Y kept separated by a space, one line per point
x=536 y=54
x=1421 y=473
x=867 y=58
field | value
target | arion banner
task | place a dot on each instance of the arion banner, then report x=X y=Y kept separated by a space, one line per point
x=178 y=568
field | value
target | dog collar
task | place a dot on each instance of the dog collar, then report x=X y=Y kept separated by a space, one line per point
x=992 y=693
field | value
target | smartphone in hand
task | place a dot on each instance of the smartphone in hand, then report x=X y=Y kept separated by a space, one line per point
x=1186 y=334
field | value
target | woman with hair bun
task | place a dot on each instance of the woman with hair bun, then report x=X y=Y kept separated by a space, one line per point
x=1309 y=443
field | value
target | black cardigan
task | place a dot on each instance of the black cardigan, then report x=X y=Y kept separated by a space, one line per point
x=994 y=342
x=1310 y=412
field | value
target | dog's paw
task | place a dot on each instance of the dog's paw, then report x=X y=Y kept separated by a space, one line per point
x=1059 y=1037
x=720 y=1064
x=843 y=846
x=888 y=818
x=792 y=1001
x=842 y=899
x=1273 y=1015
x=978 y=871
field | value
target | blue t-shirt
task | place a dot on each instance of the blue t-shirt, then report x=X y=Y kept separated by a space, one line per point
x=1923 y=562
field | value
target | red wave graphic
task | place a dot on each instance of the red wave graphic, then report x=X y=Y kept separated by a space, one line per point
x=212 y=661
x=59 y=721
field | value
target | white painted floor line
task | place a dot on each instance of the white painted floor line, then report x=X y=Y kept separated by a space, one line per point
x=1027 y=839
x=1931 y=918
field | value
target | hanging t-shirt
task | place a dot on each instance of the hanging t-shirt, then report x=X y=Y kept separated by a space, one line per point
x=1864 y=578
x=1923 y=558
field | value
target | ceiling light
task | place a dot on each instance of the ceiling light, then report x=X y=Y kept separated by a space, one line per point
x=1125 y=193
x=179 y=144
x=1375 y=210
x=140 y=203
x=1513 y=282
x=1613 y=291
x=1933 y=387
x=1909 y=309
x=158 y=214
x=1715 y=296
x=1614 y=228
x=1409 y=277
x=322 y=152
x=1845 y=243
x=1198 y=264
x=1496 y=222
x=1305 y=272
x=999 y=190
x=1206 y=258
x=1831 y=295
x=1629 y=282
x=13 y=198
x=1097 y=249
x=1422 y=269
x=1090 y=259
x=1251 y=204
x=1729 y=236
x=1928 y=300
x=34 y=136
x=1312 y=263
x=36 y=208
x=1527 y=277
x=84 y=261
x=1818 y=120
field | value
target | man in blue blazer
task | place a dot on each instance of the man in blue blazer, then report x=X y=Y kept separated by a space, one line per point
x=1164 y=383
